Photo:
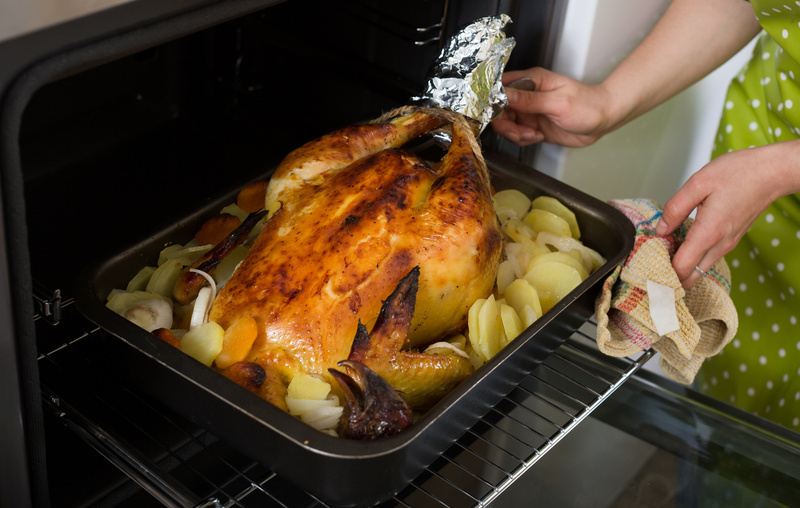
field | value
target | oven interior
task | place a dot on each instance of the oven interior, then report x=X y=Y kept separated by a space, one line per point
x=117 y=147
x=121 y=149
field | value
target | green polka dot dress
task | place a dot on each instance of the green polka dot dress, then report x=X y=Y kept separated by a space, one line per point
x=760 y=369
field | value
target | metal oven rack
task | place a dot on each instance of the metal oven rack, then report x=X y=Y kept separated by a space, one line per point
x=167 y=460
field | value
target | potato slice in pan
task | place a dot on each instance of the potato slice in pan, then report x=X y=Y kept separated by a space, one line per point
x=561 y=257
x=229 y=263
x=493 y=324
x=555 y=206
x=166 y=251
x=542 y=220
x=188 y=254
x=140 y=280
x=528 y=316
x=520 y=293
x=308 y=386
x=519 y=258
x=491 y=328
x=511 y=203
x=553 y=280
x=592 y=259
x=204 y=342
x=485 y=328
x=512 y=324
x=473 y=332
x=163 y=279
x=505 y=275
x=519 y=232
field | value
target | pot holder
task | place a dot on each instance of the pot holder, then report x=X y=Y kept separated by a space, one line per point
x=643 y=305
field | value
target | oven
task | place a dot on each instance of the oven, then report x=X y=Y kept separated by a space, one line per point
x=118 y=122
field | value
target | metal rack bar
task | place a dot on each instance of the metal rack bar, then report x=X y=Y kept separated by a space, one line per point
x=181 y=465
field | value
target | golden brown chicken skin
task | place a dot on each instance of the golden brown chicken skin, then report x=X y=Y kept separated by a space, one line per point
x=356 y=215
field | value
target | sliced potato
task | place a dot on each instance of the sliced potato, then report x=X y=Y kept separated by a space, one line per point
x=519 y=258
x=475 y=359
x=505 y=275
x=204 y=342
x=491 y=328
x=577 y=255
x=512 y=324
x=561 y=257
x=485 y=328
x=542 y=220
x=592 y=259
x=519 y=232
x=229 y=263
x=140 y=280
x=164 y=254
x=187 y=254
x=472 y=315
x=553 y=281
x=521 y=255
x=473 y=326
x=163 y=279
x=555 y=206
x=528 y=316
x=516 y=202
x=521 y=293
x=308 y=386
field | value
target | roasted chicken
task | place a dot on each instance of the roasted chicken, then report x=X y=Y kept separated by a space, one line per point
x=356 y=215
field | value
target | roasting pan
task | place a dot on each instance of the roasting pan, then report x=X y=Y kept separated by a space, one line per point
x=341 y=472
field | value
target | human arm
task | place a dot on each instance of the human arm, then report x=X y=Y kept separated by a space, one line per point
x=729 y=193
x=690 y=40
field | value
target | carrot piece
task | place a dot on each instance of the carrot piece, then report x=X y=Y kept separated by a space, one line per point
x=168 y=337
x=236 y=342
x=251 y=197
x=216 y=229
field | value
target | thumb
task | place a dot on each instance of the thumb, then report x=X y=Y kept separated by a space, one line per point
x=531 y=102
x=514 y=97
x=522 y=100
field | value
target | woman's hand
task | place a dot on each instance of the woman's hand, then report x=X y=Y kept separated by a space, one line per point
x=561 y=110
x=729 y=193
x=690 y=40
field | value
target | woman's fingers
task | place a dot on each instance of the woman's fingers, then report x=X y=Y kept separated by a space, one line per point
x=701 y=249
x=515 y=131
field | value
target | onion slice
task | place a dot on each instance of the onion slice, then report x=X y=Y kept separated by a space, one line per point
x=446 y=345
x=323 y=417
x=202 y=304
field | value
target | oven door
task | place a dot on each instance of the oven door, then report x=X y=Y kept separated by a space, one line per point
x=107 y=111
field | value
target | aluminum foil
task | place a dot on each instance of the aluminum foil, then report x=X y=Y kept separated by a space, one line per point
x=466 y=77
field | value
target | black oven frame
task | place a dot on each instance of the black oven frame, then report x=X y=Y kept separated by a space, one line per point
x=34 y=59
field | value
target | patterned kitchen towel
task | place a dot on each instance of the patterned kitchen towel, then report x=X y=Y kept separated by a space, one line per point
x=643 y=304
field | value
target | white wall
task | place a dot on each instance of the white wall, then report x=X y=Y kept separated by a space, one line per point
x=653 y=155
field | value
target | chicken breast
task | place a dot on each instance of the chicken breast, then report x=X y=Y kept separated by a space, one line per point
x=356 y=214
